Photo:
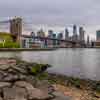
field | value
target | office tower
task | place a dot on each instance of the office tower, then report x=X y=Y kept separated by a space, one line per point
x=54 y=41
x=75 y=36
x=88 y=40
x=98 y=35
x=81 y=34
x=66 y=34
x=74 y=30
x=16 y=27
x=50 y=33
x=59 y=36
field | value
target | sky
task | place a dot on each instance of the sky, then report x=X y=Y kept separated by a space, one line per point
x=55 y=14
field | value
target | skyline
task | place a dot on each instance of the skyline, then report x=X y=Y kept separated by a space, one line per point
x=55 y=13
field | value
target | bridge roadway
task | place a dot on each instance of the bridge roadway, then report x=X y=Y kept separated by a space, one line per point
x=47 y=38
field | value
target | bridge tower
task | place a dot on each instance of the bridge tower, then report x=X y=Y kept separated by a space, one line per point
x=16 y=28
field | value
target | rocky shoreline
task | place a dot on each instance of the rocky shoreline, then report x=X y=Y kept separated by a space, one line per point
x=78 y=89
x=21 y=80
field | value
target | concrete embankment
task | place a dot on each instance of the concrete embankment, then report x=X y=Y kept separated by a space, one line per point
x=27 y=49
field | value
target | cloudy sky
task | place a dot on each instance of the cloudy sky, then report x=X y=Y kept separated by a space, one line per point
x=59 y=13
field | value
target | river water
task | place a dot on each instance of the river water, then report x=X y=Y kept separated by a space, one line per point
x=79 y=62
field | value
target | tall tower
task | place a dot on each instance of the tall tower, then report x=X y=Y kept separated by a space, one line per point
x=81 y=34
x=75 y=36
x=74 y=30
x=66 y=34
x=16 y=27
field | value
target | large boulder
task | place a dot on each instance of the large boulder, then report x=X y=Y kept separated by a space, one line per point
x=33 y=93
x=14 y=93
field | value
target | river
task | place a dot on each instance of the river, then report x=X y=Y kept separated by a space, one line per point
x=76 y=62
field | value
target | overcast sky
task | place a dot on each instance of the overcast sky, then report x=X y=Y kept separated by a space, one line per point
x=55 y=12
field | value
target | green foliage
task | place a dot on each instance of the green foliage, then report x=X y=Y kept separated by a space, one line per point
x=9 y=45
x=39 y=68
x=96 y=87
x=43 y=76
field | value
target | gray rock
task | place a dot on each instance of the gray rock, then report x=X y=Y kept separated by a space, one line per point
x=15 y=93
x=37 y=94
x=24 y=84
x=10 y=77
x=5 y=84
x=4 y=67
x=1 y=98
x=44 y=85
x=60 y=96
x=33 y=93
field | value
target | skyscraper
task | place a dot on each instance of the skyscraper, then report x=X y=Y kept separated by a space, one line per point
x=66 y=34
x=81 y=34
x=75 y=36
x=59 y=36
x=50 y=33
x=74 y=30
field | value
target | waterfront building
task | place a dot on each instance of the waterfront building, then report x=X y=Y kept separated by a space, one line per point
x=98 y=35
x=66 y=34
x=81 y=34
x=97 y=43
x=50 y=35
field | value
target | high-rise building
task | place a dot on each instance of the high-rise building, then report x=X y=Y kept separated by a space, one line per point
x=16 y=27
x=98 y=35
x=54 y=41
x=66 y=34
x=74 y=30
x=59 y=36
x=50 y=33
x=81 y=34
x=75 y=36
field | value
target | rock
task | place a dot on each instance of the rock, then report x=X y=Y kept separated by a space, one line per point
x=4 y=67
x=15 y=93
x=44 y=85
x=60 y=96
x=5 y=84
x=24 y=84
x=20 y=70
x=1 y=98
x=33 y=93
x=10 y=77
x=37 y=94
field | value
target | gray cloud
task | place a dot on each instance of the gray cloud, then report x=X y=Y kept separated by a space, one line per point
x=54 y=12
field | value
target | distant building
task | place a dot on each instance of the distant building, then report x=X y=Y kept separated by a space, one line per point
x=81 y=34
x=50 y=35
x=98 y=35
x=97 y=43
x=60 y=37
x=16 y=27
x=54 y=41
x=41 y=33
x=66 y=34
x=75 y=36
